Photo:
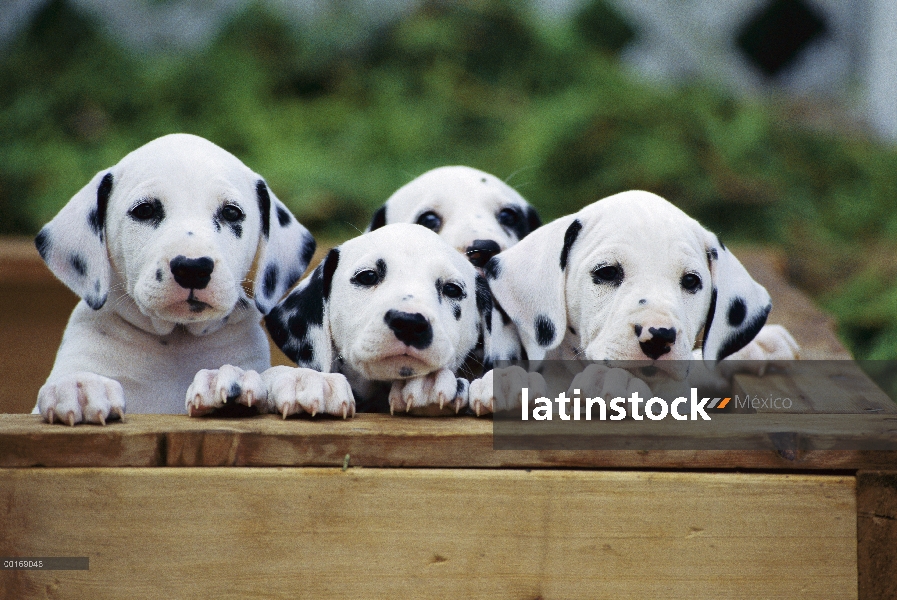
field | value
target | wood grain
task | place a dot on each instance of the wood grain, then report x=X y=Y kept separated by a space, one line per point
x=424 y=533
x=384 y=441
x=877 y=534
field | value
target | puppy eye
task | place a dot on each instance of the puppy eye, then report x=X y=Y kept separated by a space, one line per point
x=691 y=282
x=366 y=278
x=232 y=213
x=143 y=211
x=451 y=290
x=608 y=274
x=430 y=220
x=508 y=217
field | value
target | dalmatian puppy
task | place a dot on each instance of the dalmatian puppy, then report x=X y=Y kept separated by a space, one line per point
x=476 y=213
x=630 y=278
x=395 y=311
x=158 y=247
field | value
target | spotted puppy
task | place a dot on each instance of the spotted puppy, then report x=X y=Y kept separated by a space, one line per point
x=475 y=212
x=396 y=311
x=158 y=247
x=630 y=277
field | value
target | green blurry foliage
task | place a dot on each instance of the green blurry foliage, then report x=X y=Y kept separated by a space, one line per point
x=336 y=128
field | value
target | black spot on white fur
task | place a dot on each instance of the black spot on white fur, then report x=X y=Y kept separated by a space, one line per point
x=569 y=239
x=159 y=275
x=710 y=312
x=456 y=311
x=42 y=243
x=544 y=330
x=96 y=218
x=737 y=312
x=269 y=283
x=493 y=268
x=406 y=372
x=743 y=336
x=283 y=217
x=532 y=219
x=330 y=264
x=289 y=322
x=308 y=250
x=264 y=200
x=78 y=265
x=379 y=218
x=484 y=301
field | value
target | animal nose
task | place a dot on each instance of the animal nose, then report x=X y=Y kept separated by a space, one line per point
x=660 y=341
x=192 y=273
x=413 y=329
x=480 y=251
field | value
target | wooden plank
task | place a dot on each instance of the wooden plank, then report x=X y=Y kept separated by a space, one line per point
x=831 y=386
x=372 y=533
x=877 y=534
x=384 y=441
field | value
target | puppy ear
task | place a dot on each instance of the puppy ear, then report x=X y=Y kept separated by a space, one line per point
x=73 y=244
x=287 y=248
x=300 y=325
x=378 y=220
x=528 y=281
x=738 y=304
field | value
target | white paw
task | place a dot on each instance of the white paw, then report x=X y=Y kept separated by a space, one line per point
x=437 y=393
x=296 y=390
x=608 y=383
x=499 y=389
x=213 y=388
x=772 y=343
x=81 y=398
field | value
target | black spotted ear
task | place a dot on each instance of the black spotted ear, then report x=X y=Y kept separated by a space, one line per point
x=73 y=244
x=378 y=220
x=533 y=221
x=532 y=292
x=738 y=304
x=299 y=325
x=286 y=249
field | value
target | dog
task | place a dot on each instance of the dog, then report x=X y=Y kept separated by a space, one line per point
x=382 y=324
x=158 y=247
x=629 y=278
x=476 y=213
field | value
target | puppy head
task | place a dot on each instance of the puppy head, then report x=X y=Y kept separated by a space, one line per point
x=475 y=212
x=393 y=303
x=633 y=278
x=176 y=225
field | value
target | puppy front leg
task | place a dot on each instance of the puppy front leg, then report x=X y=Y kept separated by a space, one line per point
x=81 y=397
x=437 y=393
x=296 y=390
x=493 y=392
x=212 y=389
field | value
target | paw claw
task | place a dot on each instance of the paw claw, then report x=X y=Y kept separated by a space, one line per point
x=71 y=419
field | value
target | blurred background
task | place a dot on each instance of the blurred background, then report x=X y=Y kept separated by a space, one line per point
x=770 y=121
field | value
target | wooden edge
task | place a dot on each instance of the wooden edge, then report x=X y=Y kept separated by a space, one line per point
x=877 y=534
x=383 y=441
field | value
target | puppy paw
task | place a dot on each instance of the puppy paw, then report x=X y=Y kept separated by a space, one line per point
x=608 y=382
x=296 y=390
x=437 y=393
x=81 y=398
x=773 y=343
x=499 y=389
x=212 y=389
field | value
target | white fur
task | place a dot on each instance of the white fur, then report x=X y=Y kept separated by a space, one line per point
x=139 y=337
x=655 y=245
x=352 y=336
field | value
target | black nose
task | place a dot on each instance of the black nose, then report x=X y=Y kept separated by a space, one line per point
x=659 y=344
x=192 y=273
x=413 y=329
x=480 y=251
